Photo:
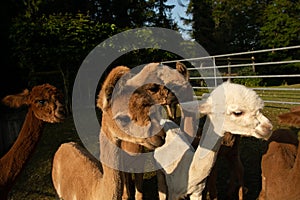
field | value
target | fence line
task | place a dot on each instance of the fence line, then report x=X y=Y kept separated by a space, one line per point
x=258 y=88
x=258 y=76
x=248 y=64
x=271 y=95
x=233 y=54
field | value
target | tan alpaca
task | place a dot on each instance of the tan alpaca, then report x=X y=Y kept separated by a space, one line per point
x=44 y=105
x=92 y=181
x=281 y=163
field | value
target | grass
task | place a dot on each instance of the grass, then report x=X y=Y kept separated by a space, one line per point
x=35 y=181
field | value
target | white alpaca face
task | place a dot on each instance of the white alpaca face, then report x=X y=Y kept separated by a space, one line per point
x=245 y=122
x=236 y=109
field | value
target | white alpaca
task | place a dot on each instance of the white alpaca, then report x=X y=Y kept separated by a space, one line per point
x=230 y=108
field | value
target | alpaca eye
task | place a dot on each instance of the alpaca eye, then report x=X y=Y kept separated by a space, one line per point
x=238 y=113
x=42 y=102
x=123 y=120
x=154 y=88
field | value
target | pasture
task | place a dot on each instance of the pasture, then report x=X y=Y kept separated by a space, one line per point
x=35 y=181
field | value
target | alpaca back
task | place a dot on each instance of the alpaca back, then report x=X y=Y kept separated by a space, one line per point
x=76 y=174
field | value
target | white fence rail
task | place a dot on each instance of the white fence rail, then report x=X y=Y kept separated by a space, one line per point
x=229 y=66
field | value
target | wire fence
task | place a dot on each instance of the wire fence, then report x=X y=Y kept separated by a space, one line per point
x=276 y=81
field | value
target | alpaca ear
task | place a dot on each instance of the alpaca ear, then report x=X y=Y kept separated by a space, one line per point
x=181 y=68
x=148 y=72
x=105 y=94
x=205 y=108
x=17 y=100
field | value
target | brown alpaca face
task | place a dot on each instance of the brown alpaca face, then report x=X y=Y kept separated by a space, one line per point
x=141 y=120
x=160 y=94
x=127 y=114
x=46 y=103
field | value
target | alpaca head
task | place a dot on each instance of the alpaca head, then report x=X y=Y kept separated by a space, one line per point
x=236 y=109
x=164 y=84
x=128 y=111
x=291 y=118
x=161 y=93
x=45 y=101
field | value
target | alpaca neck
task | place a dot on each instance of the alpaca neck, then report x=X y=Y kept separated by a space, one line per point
x=206 y=152
x=110 y=159
x=297 y=161
x=14 y=160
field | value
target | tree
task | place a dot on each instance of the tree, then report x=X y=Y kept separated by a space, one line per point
x=56 y=44
x=202 y=23
x=223 y=26
x=161 y=14
x=10 y=76
x=134 y=13
x=281 y=25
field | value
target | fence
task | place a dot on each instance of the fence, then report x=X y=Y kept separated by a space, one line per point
x=251 y=69
x=11 y=121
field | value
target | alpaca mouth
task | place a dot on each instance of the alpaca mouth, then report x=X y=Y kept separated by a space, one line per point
x=264 y=134
x=60 y=114
x=59 y=117
x=155 y=141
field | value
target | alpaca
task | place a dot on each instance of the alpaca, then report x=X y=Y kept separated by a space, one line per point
x=162 y=96
x=230 y=108
x=295 y=109
x=177 y=82
x=230 y=150
x=118 y=125
x=292 y=118
x=281 y=163
x=44 y=105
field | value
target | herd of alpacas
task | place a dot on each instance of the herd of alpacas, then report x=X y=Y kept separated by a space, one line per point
x=182 y=151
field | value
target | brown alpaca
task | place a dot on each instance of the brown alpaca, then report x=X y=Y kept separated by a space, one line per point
x=281 y=163
x=163 y=96
x=95 y=182
x=292 y=118
x=44 y=105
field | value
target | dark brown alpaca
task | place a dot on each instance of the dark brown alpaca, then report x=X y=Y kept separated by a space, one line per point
x=281 y=163
x=44 y=105
x=162 y=95
x=230 y=151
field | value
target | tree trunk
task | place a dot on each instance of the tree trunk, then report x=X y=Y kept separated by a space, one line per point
x=65 y=77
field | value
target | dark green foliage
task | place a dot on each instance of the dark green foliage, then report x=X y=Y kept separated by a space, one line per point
x=281 y=25
x=226 y=26
x=51 y=48
x=134 y=13
x=249 y=82
x=232 y=25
